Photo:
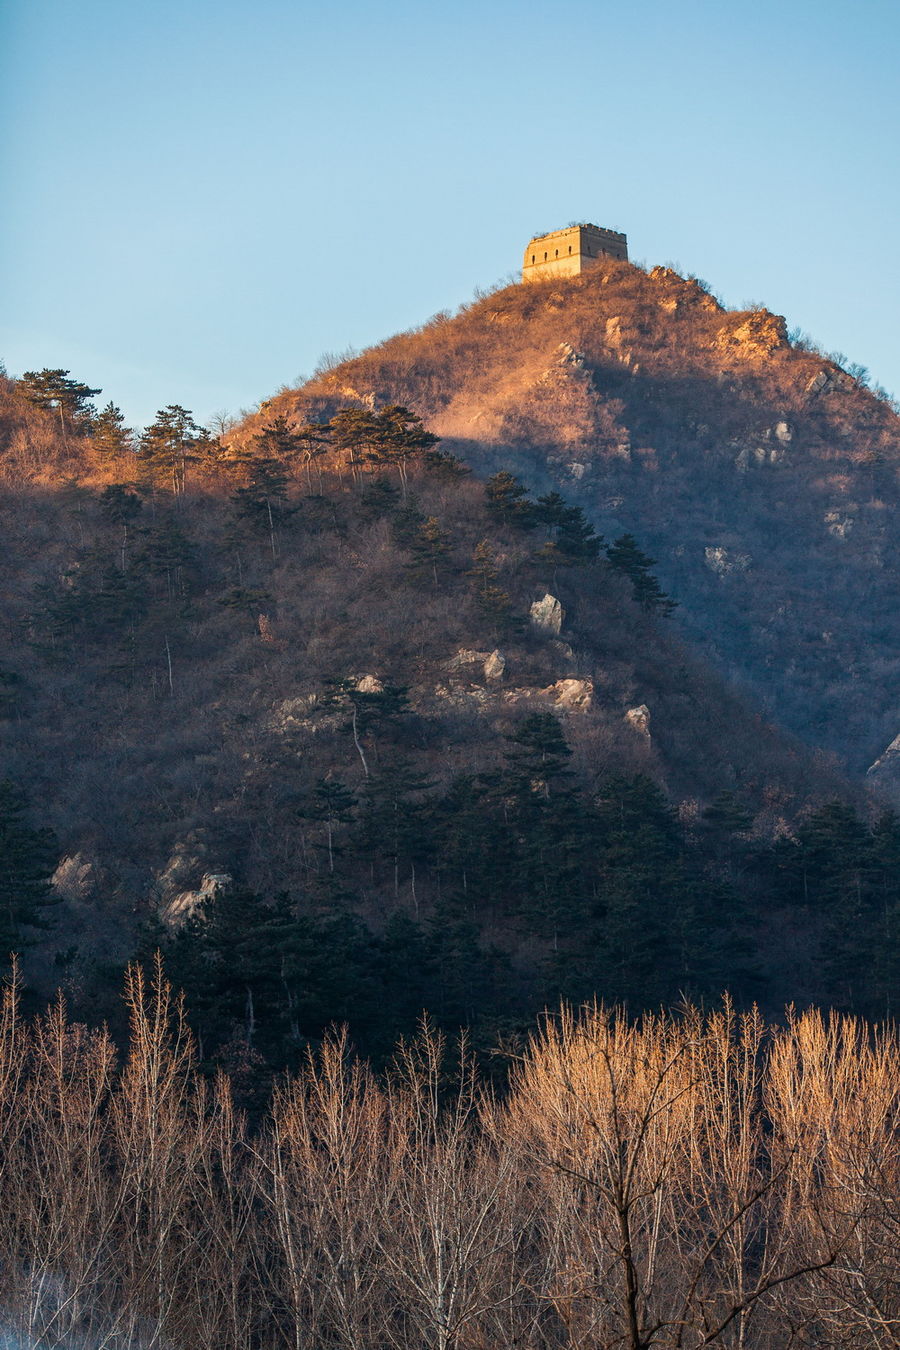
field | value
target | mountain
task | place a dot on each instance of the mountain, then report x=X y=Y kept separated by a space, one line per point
x=351 y=730
x=760 y=473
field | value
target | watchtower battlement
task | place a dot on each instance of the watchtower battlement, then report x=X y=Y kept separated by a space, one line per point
x=566 y=253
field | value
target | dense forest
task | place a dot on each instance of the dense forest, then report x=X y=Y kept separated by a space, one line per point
x=350 y=734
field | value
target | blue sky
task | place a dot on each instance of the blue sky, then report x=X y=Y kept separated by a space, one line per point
x=203 y=197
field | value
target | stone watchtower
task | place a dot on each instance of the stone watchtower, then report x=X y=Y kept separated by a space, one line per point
x=566 y=253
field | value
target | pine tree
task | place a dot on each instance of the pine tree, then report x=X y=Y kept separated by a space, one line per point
x=507 y=500
x=332 y=803
x=314 y=442
x=430 y=547
x=172 y=442
x=110 y=437
x=120 y=507
x=28 y=857
x=55 y=392
x=625 y=556
x=400 y=436
x=493 y=600
x=263 y=500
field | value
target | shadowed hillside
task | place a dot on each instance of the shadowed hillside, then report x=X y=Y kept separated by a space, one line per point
x=351 y=732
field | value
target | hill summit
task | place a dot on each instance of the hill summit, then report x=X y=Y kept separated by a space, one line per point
x=760 y=472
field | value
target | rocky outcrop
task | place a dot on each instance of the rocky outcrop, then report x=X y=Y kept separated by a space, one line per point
x=568 y=356
x=466 y=657
x=179 y=909
x=757 y=334
x=74 y=878
x=572 y=695
x=639 y=720
x=369 y=684
x=828 y=380
x=547 y=615
x=495 y=666
x=724 y=561
x=884 y=774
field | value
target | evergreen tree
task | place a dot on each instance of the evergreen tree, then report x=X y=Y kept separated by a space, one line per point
x=399 y=437
x=394 y=822
x=507 y=500
x=444 y=466
x=369 y=709
x=167 y=555
x=493 y=600
x=430 y=547
x=28 y=857
x=120 y=507
x=110 y=437
x=355 y=431
x=572 y=540
x=313 y=442
x=263 y=500
x=55 y=392
x=172 y=442
x=332 y=803
x=378 y=498
x=625 y=556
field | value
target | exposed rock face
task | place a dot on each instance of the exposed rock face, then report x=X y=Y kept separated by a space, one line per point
x=884 y=774
x=639 y=720
x=723 y=561
x=574 y=695
x=827 y=380
x=759 y=333
x=614 y=331
x=180 y=908
x=74 y=878
x=495 y=666
x=467 y=656
x=293 y=714
x=369 y=684
x=568 y=356
x=547 y=615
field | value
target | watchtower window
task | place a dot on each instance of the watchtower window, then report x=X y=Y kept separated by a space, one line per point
x=570 y=248
x=532 y=257
x=545 y=257
x=556 y=254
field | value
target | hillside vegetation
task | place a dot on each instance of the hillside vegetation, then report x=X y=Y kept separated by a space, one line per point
x=760 y=473
x=689 y=1181
x=351 y=733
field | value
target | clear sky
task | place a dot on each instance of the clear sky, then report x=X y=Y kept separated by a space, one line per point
x=203 y=196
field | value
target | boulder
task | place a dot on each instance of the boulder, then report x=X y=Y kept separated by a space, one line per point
x=369 y=684
x=574 y=695
x=547 y=615
x=639 y=720
x=495 y=666
x=466 y=656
